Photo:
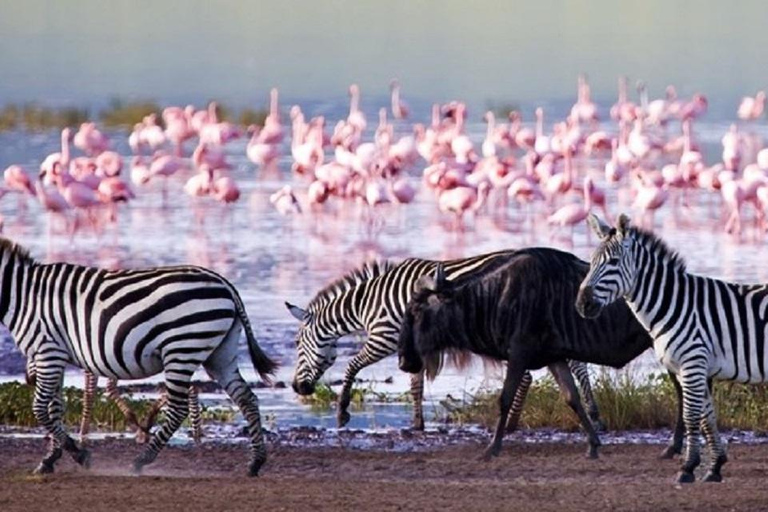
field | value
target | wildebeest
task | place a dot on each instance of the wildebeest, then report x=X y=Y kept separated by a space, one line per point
x=520 y=310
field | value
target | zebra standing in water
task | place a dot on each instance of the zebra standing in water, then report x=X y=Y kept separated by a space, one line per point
x=373 y=299
x=127 y=324
x=703 y=328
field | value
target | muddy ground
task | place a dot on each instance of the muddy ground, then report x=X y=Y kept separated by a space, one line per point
x=533 y=477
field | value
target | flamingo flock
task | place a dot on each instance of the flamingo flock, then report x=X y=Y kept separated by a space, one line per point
x=643 y=155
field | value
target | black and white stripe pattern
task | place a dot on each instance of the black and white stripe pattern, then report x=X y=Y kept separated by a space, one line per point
x=127 y=324
x=372 y=299
x=703 y=328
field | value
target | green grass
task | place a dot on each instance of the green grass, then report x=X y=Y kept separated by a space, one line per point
x=35 y=118
x=121 y=113
x=625 y=402
x=501 y=109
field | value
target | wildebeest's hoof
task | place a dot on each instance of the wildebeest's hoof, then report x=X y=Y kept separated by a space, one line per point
x=599 y=425
x=713 y=477
x=342 y=418
x=592 y=453
x=489 y=453
x=685 y=477
x=418 y=424
x=44 y=468
x=83 y=458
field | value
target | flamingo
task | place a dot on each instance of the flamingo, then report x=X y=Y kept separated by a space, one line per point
x=199 y=185
x=543 y=144
x=225 y=190
x=574 y=213
x=17 y=180
x=459 y=200
x=62 y=158
x=648 y=199
x=356 y=118
x=285 y=201
x=399 y=107
x=272 y=132
x=260 y=152
x=751 y=109
x=90 y=140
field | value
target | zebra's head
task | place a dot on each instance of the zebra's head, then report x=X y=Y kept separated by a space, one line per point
x=612 y=270
x=315 y=349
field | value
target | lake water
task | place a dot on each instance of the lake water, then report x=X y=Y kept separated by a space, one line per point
x=271 y=258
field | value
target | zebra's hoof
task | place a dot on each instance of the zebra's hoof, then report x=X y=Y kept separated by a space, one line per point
x=44 y=468
x=342 y=418
x=685 y=477
x=83 y=458
x=255 y=467
x=713 y=477
x=598 y=425
x=137 y=467
x=418 y=425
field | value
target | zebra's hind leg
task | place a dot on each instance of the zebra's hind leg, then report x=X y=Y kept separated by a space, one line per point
x=417 y=395
x=89 y=393
x=568 y=389
x=675 y=446
x=517 y=404
x=195 y=414
x=55 y=410
x=47 y=409
x=581 y=372
x=177 y=377
x=717 y=454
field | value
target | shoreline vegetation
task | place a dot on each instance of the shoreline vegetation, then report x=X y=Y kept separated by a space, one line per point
x=119 y=114
x=626 y=402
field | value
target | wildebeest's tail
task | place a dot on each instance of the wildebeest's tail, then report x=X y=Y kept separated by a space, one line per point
x=261 y=362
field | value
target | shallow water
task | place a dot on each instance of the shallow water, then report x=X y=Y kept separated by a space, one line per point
x=271 y=258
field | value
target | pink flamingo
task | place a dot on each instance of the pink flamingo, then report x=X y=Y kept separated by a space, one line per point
x=751 y=109
x=199 y=185
x=459 y=200
x=318 y=193
x=733 y=197
x=461 y=145
x=648 y=199
x=225 y=190
x=90 y=140
x=211 y=155
x=401 y=191
x=584 y=110
x=62 y=158
x=50 y=198
x=543 y=144
x=399 y=107
x=178 y=126
x=140 y=174
x=260 y=152
x=732 y=148
x=272 y=132
x=489 y=143
x=109 y=163
x=17 y=180
x=572 y=214
x=285 y=201
x=356 y=117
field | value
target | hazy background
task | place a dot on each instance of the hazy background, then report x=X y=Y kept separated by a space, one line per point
x=87 y=51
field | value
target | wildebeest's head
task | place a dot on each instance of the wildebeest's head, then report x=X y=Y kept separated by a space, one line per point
x=426 y=329
x=612 y=272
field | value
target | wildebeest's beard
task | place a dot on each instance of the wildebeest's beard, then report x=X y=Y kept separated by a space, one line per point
x=408 y=358
x=437 y=331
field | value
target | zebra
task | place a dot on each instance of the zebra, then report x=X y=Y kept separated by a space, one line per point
x=128 y=324
x=141 y=428
x=703 y=328
x=373 y=298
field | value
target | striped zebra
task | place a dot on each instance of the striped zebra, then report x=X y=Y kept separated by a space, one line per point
x=702 y=328
x=140 y=427
x=127 y=324
x=372 y=299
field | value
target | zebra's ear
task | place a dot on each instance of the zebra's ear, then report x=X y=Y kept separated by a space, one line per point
x=623 y=224
x=600 y=228
x=298 y=313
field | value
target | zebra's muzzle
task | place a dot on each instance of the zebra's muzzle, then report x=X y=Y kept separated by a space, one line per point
x=303 y=387
x=586 y=305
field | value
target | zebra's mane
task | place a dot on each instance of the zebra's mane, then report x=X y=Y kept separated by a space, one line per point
x=7 y=245
x=656 y=245
x=366 y=272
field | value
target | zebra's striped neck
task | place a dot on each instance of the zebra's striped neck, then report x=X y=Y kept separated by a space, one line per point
x=659 y=273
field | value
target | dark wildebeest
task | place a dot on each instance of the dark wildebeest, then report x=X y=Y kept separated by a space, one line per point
x=521 y=310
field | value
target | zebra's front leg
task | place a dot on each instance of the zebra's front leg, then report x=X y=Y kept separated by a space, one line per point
x=362 y=359
x=717 y=454
x=417 y=395
x=177 y=388
x=47 y=408
x=694 y=384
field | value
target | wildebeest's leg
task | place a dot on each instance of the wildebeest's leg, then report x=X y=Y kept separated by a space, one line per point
x=367 y=356
x=676 y=444
x=417 y=395
x=515 y=372
x=581 y=372
x=568 y=389
x=89 y=392
x=518 y=402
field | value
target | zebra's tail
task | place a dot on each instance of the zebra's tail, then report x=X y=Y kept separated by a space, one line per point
x=261 y=361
